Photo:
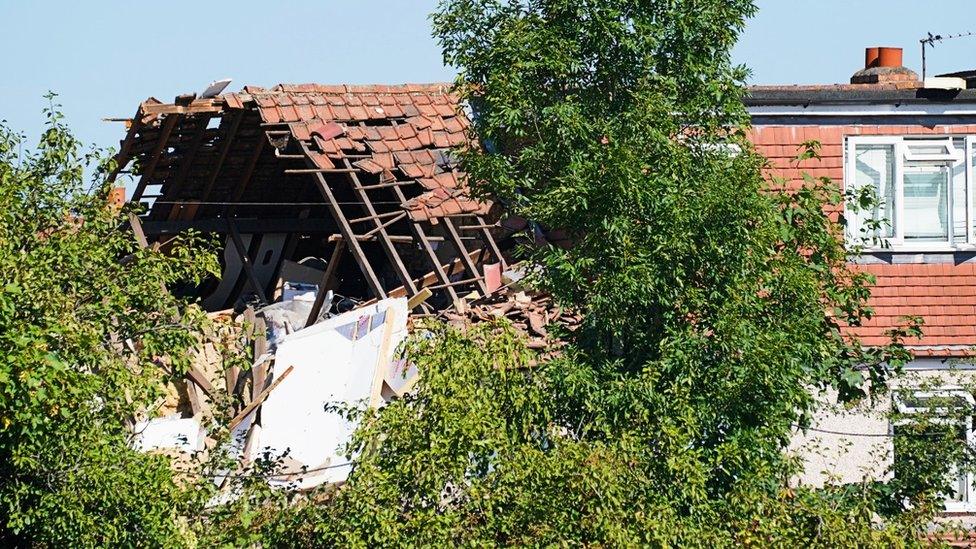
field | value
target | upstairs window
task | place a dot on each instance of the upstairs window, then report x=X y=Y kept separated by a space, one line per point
x=922 y=187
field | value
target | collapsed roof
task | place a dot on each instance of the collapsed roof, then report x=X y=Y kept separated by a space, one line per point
x=317 y=170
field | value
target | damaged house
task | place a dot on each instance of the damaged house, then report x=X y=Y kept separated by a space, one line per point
x=342 y=214
x=358 y=181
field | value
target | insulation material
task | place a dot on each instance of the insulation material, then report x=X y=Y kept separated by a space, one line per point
x=173 y=432
x=338 y=362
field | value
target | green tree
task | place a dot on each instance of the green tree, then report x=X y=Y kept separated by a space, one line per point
x=83 y=321
x=713 y=309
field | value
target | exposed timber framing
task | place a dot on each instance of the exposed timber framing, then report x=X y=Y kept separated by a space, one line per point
x=346 y=230
x=246 y=261
x=173 y=189
x=157 y=151
x=191 y=210
x=384 y=237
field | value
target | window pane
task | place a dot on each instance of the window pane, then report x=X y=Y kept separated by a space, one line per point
x=926 y=205
x=959 y=203
x=874 y=168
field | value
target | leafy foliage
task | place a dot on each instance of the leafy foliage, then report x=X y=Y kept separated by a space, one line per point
x=83 y=321
x=714 y=307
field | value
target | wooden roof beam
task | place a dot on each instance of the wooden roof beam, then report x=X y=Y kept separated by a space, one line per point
x=161 y=142
x=191 y=211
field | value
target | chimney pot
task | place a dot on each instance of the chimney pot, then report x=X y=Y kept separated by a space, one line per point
x=889 y=57
x=870 y=57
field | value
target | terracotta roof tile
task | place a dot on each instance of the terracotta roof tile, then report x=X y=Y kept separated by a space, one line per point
x=270 y=115
x=369 y=166
x=443 y=202
x=409 y=129
x=944 y=295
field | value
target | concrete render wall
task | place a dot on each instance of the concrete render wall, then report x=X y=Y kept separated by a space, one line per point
x=852 y=444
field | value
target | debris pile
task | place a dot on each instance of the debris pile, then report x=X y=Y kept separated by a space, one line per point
x=530 y=312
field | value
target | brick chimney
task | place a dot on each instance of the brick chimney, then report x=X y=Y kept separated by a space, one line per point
x=883 y=66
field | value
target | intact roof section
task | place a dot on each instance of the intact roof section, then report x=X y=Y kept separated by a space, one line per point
x=896 y=92
x=943 y=295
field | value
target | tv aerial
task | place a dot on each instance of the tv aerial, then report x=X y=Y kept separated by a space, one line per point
x=931 y=39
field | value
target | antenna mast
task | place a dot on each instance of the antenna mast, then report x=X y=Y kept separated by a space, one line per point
x=931 y=39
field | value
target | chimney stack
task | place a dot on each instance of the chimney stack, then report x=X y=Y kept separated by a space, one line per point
x=883 y=65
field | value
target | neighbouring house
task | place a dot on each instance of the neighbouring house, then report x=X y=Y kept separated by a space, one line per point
x=914 y=143
x=350 y=188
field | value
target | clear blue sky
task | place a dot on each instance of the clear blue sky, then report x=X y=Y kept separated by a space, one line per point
x=104 y=56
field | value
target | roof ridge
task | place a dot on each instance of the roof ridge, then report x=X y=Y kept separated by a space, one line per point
x=433 y=87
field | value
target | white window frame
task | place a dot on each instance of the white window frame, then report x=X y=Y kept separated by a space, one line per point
x=901 y=155
x=969 y=502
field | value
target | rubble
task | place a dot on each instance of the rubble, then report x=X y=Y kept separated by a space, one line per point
x=291 y=405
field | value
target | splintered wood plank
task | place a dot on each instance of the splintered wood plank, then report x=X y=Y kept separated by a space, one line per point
x=259 y=374
x=376 y=388
x=257 y=401
x=326 y=282
x=140 y=234
x=194 y=374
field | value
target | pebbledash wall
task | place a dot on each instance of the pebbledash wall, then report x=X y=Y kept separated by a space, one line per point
x=916 y=143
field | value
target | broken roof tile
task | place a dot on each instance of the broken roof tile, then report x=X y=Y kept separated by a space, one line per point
x=405 y=131
x=426 y=138
x=385 y=160
x=321 y=160
x=413 y=171
x=368 y=166
x=233 y=101
x=443 y=202
x=328 y=130
x=270 y=115
x=299 y=131
x=357 y=113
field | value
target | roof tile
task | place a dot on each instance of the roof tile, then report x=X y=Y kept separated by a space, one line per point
x=944 y=295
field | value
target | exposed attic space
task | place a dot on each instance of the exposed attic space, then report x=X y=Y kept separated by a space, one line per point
x=361 y=176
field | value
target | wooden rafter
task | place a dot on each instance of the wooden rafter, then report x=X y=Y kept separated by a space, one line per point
x=191 y=211
x=245 y=181
x=157 y=151
x=384 y=237
x=346 y=230
x=326 y=283
x=125 y=149
x=463 y=253
x=174 y=187
x=490 y=242
x=246 y=261
x=421 y=236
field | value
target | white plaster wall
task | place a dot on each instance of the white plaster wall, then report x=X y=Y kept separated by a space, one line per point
x=845 y=458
